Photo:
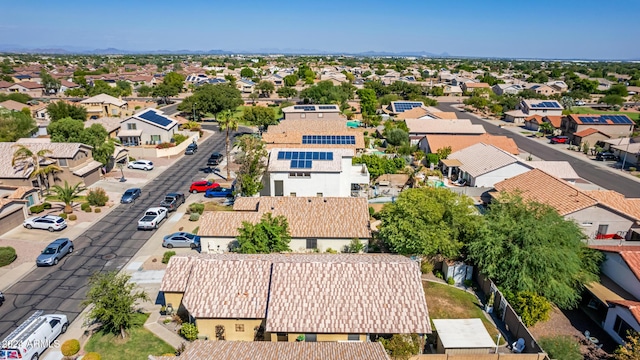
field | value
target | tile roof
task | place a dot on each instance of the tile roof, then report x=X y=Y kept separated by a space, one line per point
x=30 y=85
x=266 y=350
x=291 y=132
x=630 y=255
x=87 y=168
x=560 y=169
x=459 y=142
x=68 y=84
x=477 y=85
x=385 y=291
x=13 y=105
x=633 y=306
x=481 y=158
x=5 y=84
x=617 y=201
x=537 y=185
x=556 y=121
x=414 y=113
x=104 y=99
x=587 y=132
x=534 y=118
x=576 y=118
x=58 y=151
x=433 y=126
x=176 y=276
x=109 y=123
x=308 y=217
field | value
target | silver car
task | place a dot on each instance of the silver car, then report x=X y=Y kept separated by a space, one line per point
x=181 y=239
x=141 y=165
x=54 y=252
x=47 y=222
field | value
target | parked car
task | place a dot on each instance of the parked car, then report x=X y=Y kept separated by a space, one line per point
x=181 y=239
x=559 y=140
x=47 y=222
x=191 y=149
x=141 y=165
x=580 y=103
x=606 y=156
x=213 y=162
x=202 y=186
x=54 y=252
x=172 y=201
x=218 y=192
x=1 y=298
x=216 y=155
x=152 y=218
x=31 y=338
x=130 y=195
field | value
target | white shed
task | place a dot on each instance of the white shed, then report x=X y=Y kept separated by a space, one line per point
x=463 y=336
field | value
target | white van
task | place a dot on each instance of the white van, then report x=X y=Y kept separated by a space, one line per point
x=33 y=336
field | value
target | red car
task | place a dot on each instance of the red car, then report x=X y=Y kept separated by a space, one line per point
x=202 y=186
x=559 y=140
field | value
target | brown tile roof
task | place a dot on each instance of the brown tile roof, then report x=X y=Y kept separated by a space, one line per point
x=534 y=118
x=630 y=255
x=5 y=84
x=536 y=185
x=575 y=118
x=459 y=142
x=308 y=217
x=13 y=105
x=633 y=306
x=587 y=132
x=266 y=350
x=291 y=132
x=385 y=292
x=414 y=113
x=68 y=84
x=176 y=276
x=556 y=121
x=30 y=85
x=476 y=85
x=617 y=201
x=58 y=151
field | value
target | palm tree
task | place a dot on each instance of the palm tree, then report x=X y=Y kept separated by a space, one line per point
x=37 y=165
x=68 y=194
x=227 y=122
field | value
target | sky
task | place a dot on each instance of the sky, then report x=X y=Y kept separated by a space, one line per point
x=555 y=29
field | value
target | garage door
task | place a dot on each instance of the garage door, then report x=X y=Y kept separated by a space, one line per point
x=11 y=220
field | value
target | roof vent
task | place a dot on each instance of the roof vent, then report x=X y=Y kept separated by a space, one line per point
x=272 y=208
x=325 y=200
x=309 y=200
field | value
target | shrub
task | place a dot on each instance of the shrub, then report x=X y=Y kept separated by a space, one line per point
x=73 y=217
x=7 y=255
x=189 y=331
x=438 y=274
x=70 y=347
x=195 y=231
x=167 y=255
x=561 y=347
x=426 y=267
x=196 y=208
x=468 y=283
x=194 y=217
x=401 y=346
x=331 y=251
x=36 y=209
x=165 y=145
x=92 y=356
x=531 y=307
x=85 y=207
x=632 y=169
x=63 y=215
x=97 y=210
x=46 y=205
x=179 y=138
x=371 y=211
x=97 y=197
x=450 y=281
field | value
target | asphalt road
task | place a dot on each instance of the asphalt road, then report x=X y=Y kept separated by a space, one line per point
x=586 y=170
x=107 y=245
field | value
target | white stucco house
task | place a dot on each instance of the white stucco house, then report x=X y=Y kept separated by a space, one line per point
x=147 y=127
x=530 y=107
x=483 y=165
x=320 y=172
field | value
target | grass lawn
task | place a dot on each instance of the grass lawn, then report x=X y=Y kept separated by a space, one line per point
x=447 y=302
x=80 y=199
x=137 y=346
x=587 y=110
x=215 y=206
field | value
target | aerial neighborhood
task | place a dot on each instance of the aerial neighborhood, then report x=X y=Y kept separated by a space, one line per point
x=237 y=206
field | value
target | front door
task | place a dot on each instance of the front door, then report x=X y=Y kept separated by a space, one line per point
x=279 y=188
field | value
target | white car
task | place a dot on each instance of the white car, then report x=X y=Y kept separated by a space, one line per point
x=141 y=165
x=47 y=222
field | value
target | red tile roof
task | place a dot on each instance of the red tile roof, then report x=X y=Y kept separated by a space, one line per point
x=576 y=118
x=30 y=85
x=630 y=255
x=633 y=306
x=587 y=132
x=556 y=121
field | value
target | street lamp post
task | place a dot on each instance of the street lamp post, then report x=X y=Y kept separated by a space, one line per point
x=625 y=155
x=194 y=111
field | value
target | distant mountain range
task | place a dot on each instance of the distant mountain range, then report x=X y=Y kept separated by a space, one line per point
x=70 y=50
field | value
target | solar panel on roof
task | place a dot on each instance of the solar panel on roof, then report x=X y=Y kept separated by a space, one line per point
x=402 y=106
x=327 y=107
x=329 y=139
x=153 y=117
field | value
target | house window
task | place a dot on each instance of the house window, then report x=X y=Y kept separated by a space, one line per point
x=131 y=126
x=282 y=337
x=220 y=332
x=319 y=194
x=310 y=337
x=312 y=244
x=62 y=162
x=155 y=138
x=602 y=229
x=320 y=115
x=302 y=116
x=239 y=327
x=587 y=223
x=621 y=327
x=30 y=200
x=353 y=337
x=292 y=194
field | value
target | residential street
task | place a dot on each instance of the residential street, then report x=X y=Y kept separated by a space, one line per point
x=107 y=245
x=591 y=172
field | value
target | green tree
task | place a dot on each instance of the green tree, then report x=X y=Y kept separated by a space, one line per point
x=102 y=87
x=65 y=130
x=531 y=307
x=355 y=246
x=15 y=125
x=368 y=101
x=247 y=73
x=618 y=89
x=164 y=92
x=429 y=221
x=290 y=80
x=477 y=102
x=287 y=92
x=259 y=116
x=210 y=98
x=397 y=137
x=144 y=91
x=612 y=99
x=254 y=96
x=21 y=98
x=113 y=298
x=252 y=165
x=227 y=123
x=68 y=194
x=562 y=347
x=174 y=80
x=270 y=235
x=514 y=230
x=60 y=110
x=377 y=86
x=401 y=346
x=378 y=165
x=38 y=165
x=124 y=87
x=98 y=137
x=546 y=128
x=51 y=85
x=436 y=91
x=631 y=348
x=325 y=92
x=265 y=87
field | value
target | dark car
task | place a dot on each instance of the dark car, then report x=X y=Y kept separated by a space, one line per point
x=191 y=149
x=218 y=192
x=54 y=252
x=559 y=140
x=130 y=195
x=213 y=162
x=202 y=186
x=172 y=201
x=606 y=156
x=217 y=156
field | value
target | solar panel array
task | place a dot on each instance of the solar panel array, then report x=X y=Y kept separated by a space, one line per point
x=546 y=105
x=155 y=118
x=327 y=107
x=402 y=106
x=329 y=139
x=305 y=107
x=304 y=159
x=616 y=119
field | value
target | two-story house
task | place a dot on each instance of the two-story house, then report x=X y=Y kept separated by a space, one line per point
x=530 y=107
x=104 y=105
x=246 y=86
x=147 y=127
x=577 y=126
x=14 y=204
